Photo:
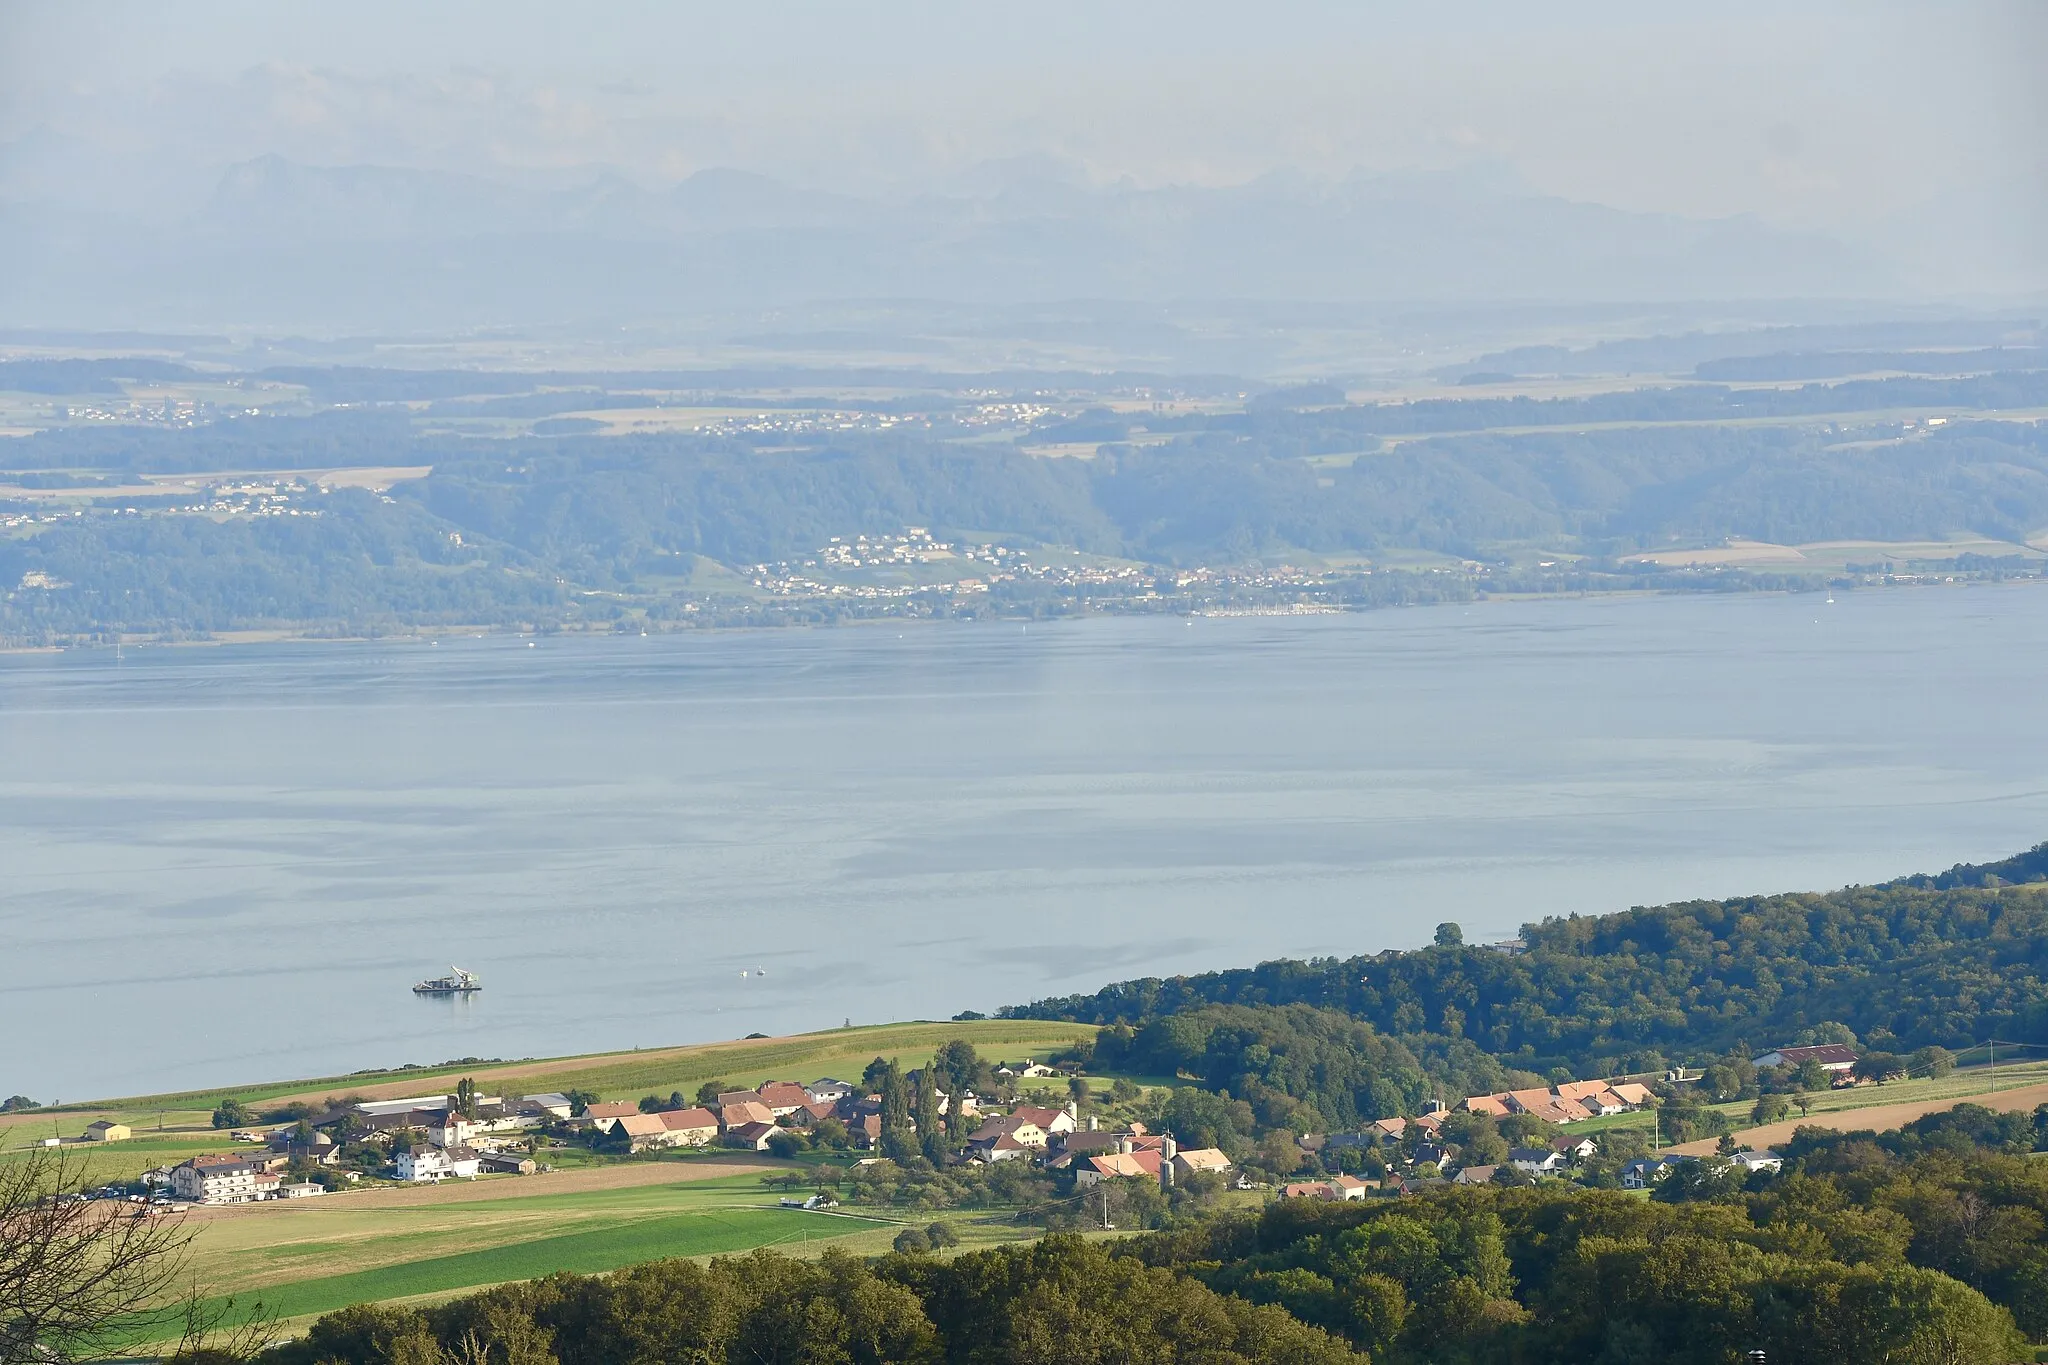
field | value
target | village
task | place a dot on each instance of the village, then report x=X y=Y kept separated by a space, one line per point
x=429 y=1139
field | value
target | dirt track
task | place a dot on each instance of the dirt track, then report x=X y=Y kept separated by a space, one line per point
x=1879 y=1117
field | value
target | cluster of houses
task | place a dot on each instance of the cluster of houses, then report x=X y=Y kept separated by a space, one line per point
x=1061 y=1141
x=748 y=1118
x=1569 y=1102
x=451 y=1142
x=1056 y=1138
x=1555 y=1159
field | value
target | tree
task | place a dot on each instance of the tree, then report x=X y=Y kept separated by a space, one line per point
x=233 y=1114
x=1803 y=1101
x=580 y=1101
x=650 y=1104
x=1449 y=935
x=18 y=1104
x=1769 y=1109
x=941 y=1236
x=898 y=1144
x=912 y=1242
x=708 y=1093
x=77 y=1274
x=786 y=1143
x=960 y=1070
x=1877 y=1066
x=1077 y=1091
x=465 y=1098
x=1932 y=1061
x=931 y=1136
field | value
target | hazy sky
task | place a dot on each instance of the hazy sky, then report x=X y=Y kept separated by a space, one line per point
x=1839 y=116
x=1809 y=113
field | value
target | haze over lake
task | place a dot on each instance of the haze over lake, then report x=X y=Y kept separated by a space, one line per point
x=227 y=864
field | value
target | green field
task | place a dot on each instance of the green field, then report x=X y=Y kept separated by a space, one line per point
x=302 y=1259
x=612 y=1075
x=589 y=1252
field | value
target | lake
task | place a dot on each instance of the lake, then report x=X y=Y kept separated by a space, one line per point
x=229 y=864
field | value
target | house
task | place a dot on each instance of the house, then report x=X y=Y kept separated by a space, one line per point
x=1475 y=1175
x=865 y=1130
x=1118 y=1166
x=1430 y=1154
x=1535 y=1160
x=265 y=1185
x=1640 y=1175
x=1308 y=1189
x=553 y=1103
x=1549 y=1107
x=215 y=1180
x=784 y=1098
x=1048 y=1121
x=1388 y=1129
x=320 y=1149
x=1753 y=1161
x=741 y=1112
x=670 y=1128
x=426 y=1163
x=1496 y=1105
x=1574 y=1149
x=506 y=1163
x=106 y=1130
x=1022 y=1125
x=1351 y=1187
x=754 y=1135
x=1633 y=1095
x=1193 y=1160
x=1830 y=1056
x=301 y=1189
x=694 y=1127
x=605 y=1114
x=1003 y=1148
x=825 y=1090
x=1026 y=1068
x=1592 y=1095
x=640 y=1130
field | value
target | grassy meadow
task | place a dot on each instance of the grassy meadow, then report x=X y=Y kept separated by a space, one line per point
x=612 y=1075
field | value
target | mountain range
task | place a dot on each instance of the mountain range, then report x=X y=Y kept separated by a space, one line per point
x=282 y=244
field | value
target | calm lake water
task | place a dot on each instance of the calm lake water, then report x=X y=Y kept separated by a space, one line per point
x=222 y=865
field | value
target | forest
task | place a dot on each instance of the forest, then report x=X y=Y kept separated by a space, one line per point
x=1898 y=967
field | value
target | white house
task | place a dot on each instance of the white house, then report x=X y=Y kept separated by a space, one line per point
x=1765 y=1160
x=216 y=1180
x=1831 y=1056
x=1535 y=1160
x=426 y=1162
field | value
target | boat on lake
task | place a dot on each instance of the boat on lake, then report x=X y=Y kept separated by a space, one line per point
x=457 y=982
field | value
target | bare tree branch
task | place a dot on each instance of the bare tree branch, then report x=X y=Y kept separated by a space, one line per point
x=79 y=1276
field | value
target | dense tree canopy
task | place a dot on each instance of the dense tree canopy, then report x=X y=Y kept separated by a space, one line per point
x=1901 y=966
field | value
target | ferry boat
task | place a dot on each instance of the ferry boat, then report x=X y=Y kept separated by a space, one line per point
x=457 y=982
